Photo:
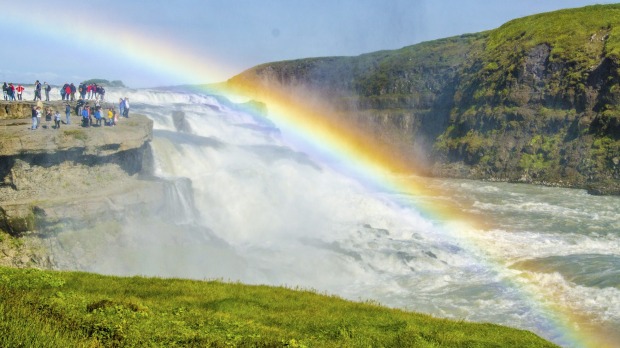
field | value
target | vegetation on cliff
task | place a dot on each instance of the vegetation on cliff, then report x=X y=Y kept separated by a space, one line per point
x=53 y=309
x=535 y=100
x=104 y=82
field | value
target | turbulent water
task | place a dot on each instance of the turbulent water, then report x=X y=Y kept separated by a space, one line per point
x=249 y=206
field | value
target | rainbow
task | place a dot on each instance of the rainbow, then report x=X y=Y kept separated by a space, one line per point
x=313 y=126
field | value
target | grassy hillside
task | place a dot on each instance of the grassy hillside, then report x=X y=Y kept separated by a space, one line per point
x=53 y=309
x=578 y=41
x=536 y=100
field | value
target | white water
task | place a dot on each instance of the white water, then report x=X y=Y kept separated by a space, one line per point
x=247 y=206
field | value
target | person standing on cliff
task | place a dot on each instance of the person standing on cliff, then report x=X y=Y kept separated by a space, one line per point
x=38 y=116
x=37 y=90
x=48 y=117
x=34 y=118
x=11 y=91
x=47 y=88
x=63 y=93
x=121 y=106
x=5 y=91
x=68 y=113
x=85 y=117
x=20 y=90
x=73 y=90
x=57 y=119
x=67 y=91
x=126 y=104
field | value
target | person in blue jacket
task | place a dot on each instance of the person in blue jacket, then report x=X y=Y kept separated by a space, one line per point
x=85 y=117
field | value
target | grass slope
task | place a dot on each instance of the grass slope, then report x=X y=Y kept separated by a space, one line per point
x=71 y=309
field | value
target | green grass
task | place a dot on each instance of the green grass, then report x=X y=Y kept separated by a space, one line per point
x=76 y=133
x=71 y=309
x=578 y=40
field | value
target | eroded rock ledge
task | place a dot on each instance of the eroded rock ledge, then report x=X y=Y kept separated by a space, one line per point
x=73 y=174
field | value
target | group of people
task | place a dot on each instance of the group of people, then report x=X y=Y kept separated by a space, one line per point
x=88 y=114
x=10 y=92
x=67 y=91
x=86 y=91
x=84 y=110
x=36 y=117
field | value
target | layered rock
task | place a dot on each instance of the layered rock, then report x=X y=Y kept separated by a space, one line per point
x=73 y=174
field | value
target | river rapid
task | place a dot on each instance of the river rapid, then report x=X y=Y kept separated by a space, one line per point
x=250 y=206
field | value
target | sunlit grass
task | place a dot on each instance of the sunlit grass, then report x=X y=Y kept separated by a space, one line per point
x=69 y=309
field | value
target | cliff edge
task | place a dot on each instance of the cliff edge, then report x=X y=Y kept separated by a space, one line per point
x=72 y=174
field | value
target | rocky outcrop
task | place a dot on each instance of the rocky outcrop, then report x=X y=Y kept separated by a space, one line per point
x=73 y=174
x=535 y=101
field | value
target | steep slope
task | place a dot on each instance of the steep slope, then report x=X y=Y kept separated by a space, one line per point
x=535 y=100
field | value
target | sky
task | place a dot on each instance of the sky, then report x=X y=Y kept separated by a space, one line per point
x=59 y=41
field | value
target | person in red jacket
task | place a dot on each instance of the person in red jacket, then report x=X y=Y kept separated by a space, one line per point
x=20 y=90
x=67 y=91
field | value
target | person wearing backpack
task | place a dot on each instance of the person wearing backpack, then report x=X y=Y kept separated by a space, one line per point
x=37 y=90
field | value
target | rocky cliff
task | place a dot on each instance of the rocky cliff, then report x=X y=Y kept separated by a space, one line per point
x=536 y=100
x=55 y=179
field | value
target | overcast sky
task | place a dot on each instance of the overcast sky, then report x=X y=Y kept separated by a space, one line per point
x=40 y=37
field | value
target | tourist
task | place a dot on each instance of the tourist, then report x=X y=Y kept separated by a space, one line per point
x=101 y=92
x=37 y=90
x=67 y=90
x=34 y=118
x=115 y=118
x=63 y=91
x=85 y=116
x=11 y=91
x=20 y=90
x=82 y=90
x=68 y=113
x=79 y=106
x=110 y=121
x=38 y=116
x=57 y=119
x=47 y=89
x=98 y=116
x=89 y=90
x=5 y=91
x=121 y=106
x=126 y=105
x=72 y=88
x=48 y=117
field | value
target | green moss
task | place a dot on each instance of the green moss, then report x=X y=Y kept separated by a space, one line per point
x=76 y=133
x=20 y=224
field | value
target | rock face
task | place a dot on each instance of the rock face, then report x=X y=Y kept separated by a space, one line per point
x=536 y=100
x=73 y=174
